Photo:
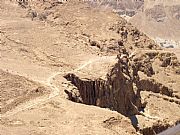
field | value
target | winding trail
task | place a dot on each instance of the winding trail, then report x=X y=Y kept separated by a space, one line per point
x=55 y=90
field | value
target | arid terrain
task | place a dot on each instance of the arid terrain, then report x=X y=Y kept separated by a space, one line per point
x=74 y=68
x=160 y=20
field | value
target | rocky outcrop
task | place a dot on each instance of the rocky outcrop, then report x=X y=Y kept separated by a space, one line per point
x=131 y=37
x=152 y=85
x=115 y=91
x=168 y=59
x=120 y=89
x=143 y=61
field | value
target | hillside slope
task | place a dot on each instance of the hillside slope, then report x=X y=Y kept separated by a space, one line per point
x=87 y=71
x=159 y=19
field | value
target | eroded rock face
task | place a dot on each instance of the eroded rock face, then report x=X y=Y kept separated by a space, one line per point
x=114 y=92
x=120 y=89
x=144 y=62
x=152 y=85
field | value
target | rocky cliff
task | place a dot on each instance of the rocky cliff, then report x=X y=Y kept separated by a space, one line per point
x=108 y=62
x=115 y=91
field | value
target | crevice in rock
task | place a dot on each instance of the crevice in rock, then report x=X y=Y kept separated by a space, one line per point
x=120 y=91
x=153 y=86
x=115 y=91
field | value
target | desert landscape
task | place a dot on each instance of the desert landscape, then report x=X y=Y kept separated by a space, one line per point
x=71 y=67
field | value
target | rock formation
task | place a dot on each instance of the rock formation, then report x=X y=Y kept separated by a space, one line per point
x=115 y=91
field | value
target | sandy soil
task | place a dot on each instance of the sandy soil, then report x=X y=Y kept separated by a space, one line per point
x=34 y=57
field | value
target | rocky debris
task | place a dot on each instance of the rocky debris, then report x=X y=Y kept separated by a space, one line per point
x=40 y=15
x=22 y=3
x=129 y=13
x=11 y=123
x=142 y=62
x=107 y=46
x=73 y=95
x=94 y=43
x=168 y=59
x=39 y=9
x=177 y=71
x=132 y=38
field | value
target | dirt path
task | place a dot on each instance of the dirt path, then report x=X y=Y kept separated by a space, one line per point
x=55 y=90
